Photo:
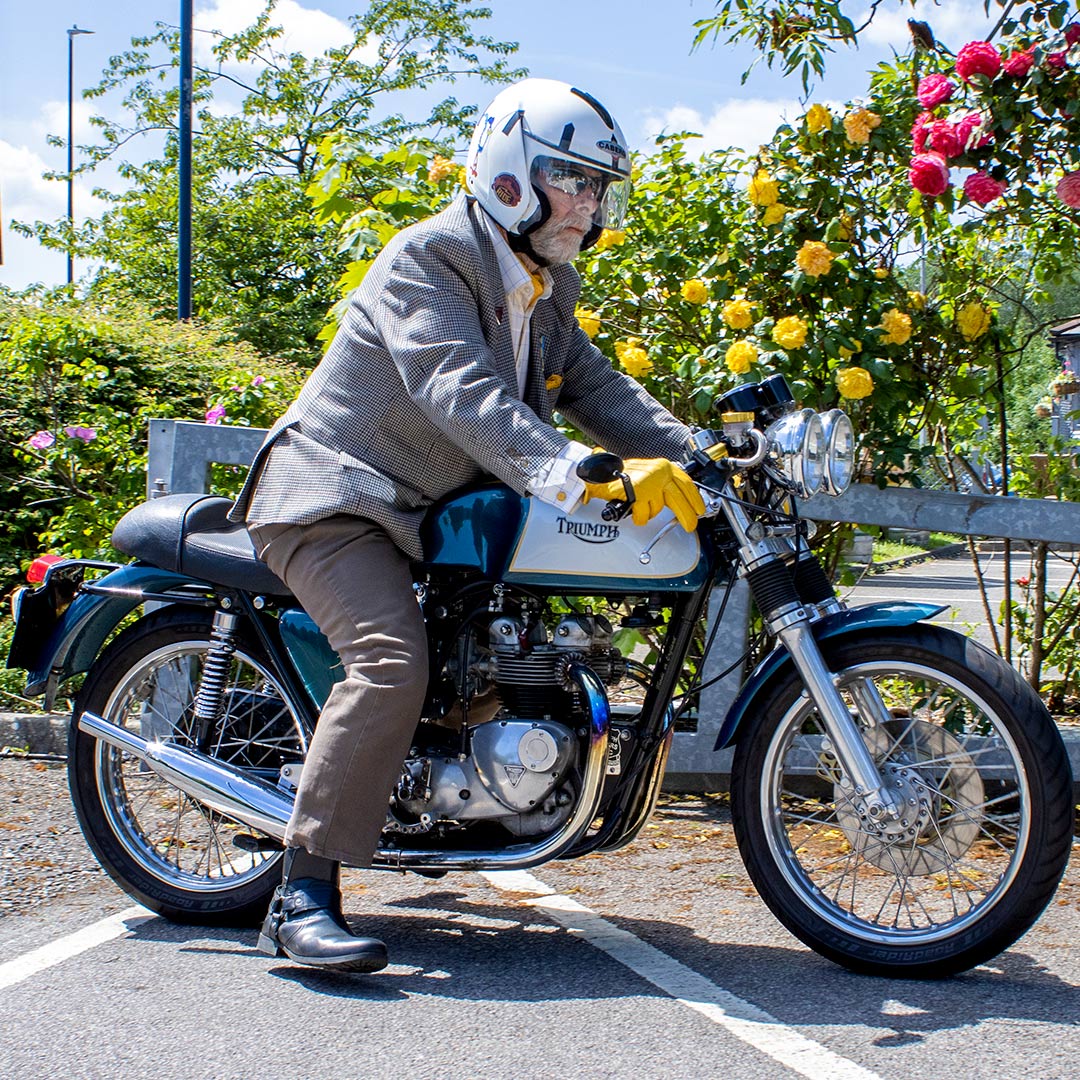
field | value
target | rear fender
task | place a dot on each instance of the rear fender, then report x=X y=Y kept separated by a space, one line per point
x=839 y=624
x=77 y=635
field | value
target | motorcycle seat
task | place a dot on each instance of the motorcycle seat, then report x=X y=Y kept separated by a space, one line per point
x=190 y=534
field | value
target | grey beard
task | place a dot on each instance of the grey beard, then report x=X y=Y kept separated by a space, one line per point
x=555 y=244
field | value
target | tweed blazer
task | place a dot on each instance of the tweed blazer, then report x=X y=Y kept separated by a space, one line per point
x=418 y=394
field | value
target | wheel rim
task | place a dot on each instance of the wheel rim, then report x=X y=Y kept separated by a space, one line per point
x=959 y=771
x=177 y=839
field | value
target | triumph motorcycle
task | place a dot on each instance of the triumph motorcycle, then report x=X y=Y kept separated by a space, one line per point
x=900 y=797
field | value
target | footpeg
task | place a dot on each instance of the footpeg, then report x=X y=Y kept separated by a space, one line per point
x=248 y=842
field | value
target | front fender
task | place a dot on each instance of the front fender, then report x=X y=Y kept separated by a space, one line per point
x=839 y=624
x=78 y=634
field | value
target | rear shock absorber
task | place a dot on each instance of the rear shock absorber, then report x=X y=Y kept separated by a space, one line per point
x=210 y=698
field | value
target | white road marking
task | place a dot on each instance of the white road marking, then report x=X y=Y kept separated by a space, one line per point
x=745 y=1021
x=55 y=952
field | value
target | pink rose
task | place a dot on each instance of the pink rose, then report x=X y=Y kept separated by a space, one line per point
x=42 y=440
x=258 y=380
x=1068 y=189
x=1055 y=60
x=919 y=131
x=978 y=58
x=934 y=90
x=215 y=415
x=942 y=139
x=1020 y=63
x=969 y=134
x=982 y=188
x=929 y=174
x=86 y=434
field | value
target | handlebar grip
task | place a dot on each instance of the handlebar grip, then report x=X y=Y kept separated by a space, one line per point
x=615 y=510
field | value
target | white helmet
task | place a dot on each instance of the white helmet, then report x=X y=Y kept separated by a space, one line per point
x=527 y=127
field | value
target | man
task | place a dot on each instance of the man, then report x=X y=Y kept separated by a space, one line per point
x=448 y=364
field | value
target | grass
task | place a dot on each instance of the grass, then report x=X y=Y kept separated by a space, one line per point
x=897 y=549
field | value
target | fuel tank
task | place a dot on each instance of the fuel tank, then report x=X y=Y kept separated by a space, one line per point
x=492 y=530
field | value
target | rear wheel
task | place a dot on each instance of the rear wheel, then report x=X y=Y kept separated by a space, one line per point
x=987 y=792
x=164 y=848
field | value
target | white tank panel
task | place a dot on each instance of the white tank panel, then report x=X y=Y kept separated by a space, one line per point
x=582 y=543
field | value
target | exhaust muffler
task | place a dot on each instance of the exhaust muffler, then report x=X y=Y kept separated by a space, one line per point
x=221 y=786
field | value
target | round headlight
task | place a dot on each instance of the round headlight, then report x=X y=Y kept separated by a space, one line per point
x=797 y=452
x=839 y=451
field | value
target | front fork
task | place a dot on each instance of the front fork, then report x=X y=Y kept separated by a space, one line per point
x=773 y=586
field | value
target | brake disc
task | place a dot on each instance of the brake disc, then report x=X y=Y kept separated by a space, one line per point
x=942 y=792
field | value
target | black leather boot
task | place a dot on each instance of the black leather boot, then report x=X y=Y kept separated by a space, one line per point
x=305 y=922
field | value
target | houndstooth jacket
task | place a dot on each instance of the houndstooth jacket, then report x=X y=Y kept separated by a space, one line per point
x=417 y=394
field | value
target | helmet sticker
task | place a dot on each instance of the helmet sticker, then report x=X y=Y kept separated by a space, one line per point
x=507 y=189
x=610 y=146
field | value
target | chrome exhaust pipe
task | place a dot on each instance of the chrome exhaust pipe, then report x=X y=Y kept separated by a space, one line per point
x=266 y=808
x=216 y=784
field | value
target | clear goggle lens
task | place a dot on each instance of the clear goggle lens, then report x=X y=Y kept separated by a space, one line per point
x=610 y=193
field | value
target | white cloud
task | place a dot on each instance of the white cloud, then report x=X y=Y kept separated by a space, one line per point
x=27 y=197
x=954 y=23
x=305 y=30
x=743 y=123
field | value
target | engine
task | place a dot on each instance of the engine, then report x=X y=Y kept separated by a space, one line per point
x=521 y=767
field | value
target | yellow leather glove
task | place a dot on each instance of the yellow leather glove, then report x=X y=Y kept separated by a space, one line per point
x=657 y=483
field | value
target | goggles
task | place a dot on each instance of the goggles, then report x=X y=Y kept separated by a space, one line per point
x=610 y=193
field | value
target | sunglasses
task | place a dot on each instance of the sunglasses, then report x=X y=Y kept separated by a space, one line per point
x=573 y=181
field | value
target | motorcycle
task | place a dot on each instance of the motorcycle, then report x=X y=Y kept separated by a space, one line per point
x=900 y=797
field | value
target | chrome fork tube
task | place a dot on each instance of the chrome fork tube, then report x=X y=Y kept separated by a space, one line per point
x=759 y=553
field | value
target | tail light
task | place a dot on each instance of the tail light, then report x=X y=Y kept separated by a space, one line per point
x=40 y=566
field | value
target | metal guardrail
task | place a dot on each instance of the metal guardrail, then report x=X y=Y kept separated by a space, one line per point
x=181 y=453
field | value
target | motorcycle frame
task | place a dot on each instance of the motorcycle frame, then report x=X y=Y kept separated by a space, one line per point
x=99 y=606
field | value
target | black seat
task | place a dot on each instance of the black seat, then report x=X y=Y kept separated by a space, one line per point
x=191 y=535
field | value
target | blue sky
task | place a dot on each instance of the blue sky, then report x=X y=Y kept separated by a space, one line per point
x=633 y=54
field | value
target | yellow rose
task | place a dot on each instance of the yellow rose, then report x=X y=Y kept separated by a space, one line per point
x=854 y=382
x=763 y=190
x=918 y=299
x=790 y=332
x=738 y=314
x=973 y=320
x=818 y=118
x=740 y=357
x=897 y=327
x=462 y=177
x=609 y=238
x=814 y=258
x=440 y=168
x=633 y=358
x=881 y=273
x=847 y=354
x=695 y=291
x=589 y=321
x=774 y=214
x=846 y=229
x=859 y=123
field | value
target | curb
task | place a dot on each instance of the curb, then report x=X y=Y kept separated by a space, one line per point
x=915 y=559
x=47 y=733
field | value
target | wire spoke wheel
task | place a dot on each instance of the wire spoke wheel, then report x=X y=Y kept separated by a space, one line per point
x=151 y=837
x=982 y=836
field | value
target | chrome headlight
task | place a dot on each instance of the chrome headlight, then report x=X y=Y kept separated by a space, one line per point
x=797 y=452
x=839 y=451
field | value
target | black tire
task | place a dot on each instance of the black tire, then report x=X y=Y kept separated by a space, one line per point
x=165 y=849
x=990 y=830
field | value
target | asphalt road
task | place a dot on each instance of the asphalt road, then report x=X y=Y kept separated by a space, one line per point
x=496 y=980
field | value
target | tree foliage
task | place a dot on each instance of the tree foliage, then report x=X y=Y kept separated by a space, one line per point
x=260 y=259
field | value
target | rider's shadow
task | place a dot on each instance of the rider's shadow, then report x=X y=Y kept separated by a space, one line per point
x=475 y=950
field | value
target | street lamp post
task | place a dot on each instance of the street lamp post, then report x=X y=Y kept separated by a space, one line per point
x=71 y=147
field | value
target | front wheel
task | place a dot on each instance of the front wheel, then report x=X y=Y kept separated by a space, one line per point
x=986 y=787
x=164 y=848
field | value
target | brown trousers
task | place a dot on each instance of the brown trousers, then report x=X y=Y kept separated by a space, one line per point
x=356 y=585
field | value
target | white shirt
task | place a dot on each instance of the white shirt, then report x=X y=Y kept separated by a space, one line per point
x=557 y=483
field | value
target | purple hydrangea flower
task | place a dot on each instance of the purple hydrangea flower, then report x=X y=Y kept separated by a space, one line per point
x=86 y=434
x=215 y=415
x=42 y=440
